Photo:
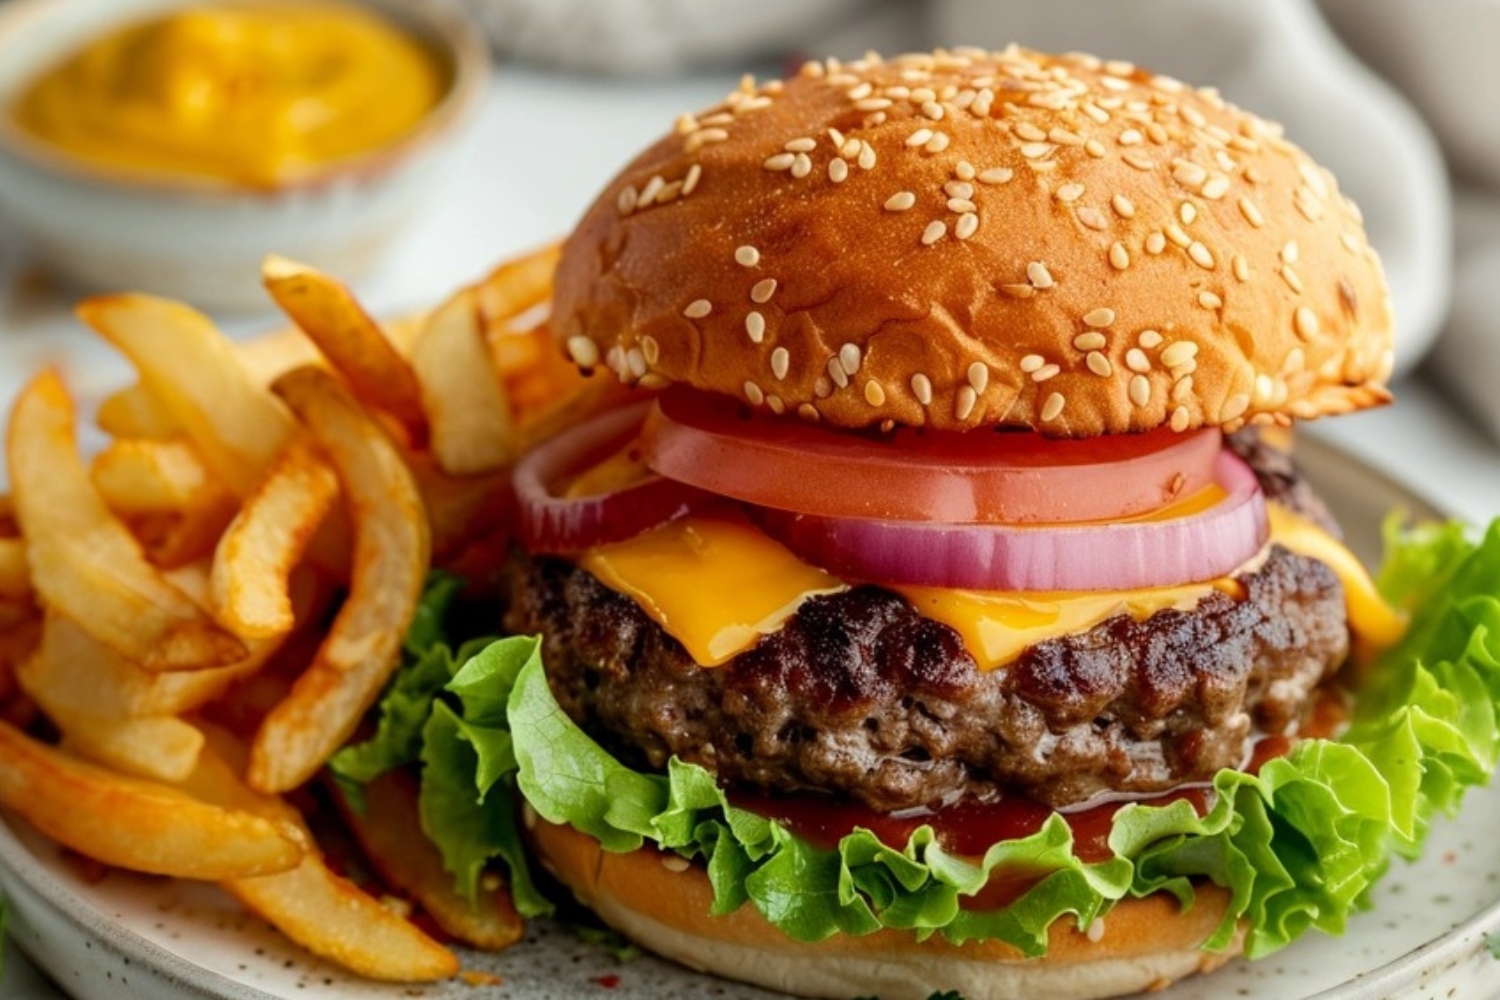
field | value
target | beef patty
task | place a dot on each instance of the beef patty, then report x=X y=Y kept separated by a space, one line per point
x=859 y=695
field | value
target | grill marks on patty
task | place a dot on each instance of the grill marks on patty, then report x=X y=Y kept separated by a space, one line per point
x=859 y=695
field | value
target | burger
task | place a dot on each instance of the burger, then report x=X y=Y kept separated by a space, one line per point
x=948 y=613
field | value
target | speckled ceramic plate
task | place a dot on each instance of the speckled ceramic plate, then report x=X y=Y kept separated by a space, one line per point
x=125 y=937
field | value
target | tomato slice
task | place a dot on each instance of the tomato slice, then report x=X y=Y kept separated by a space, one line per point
x=985 y=477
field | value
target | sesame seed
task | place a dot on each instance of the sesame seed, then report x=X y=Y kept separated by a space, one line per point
x=837 y=373
x=1139 y=160
x=920 y=137
x=1032 y=362
x=964 y=171
x=1036 y=150
x=1100 y=317
x=938 y=143
x=1017 y=291
x=801 y=165
x=761 y=291
x=1187 y=212
x=823 y=385
x=1179 y=353
x=1215 y=187
x=654 y=380
x=1180 y=419
x=781 y=362
x=583 y=351
x=1091 y=341
x=873 y=104
x=1252 y=213
x=860 y=92
x=747 y=256
x=874 y=394
x=923 y=389
x=936 y=230
x=850 y=148
x=1209 y=300
x=849 y=358
x=1093 y=218
x=668 y=192
x=1064 y=137
x=1053 y=407
x=958 y=189
x=979 y=376
x=1123 y=206
x=627 y=200
x=1029 y=132
x=967 y=225
x=836 y=137
x=650 y=349
x=698 y=308
x=1038 y=275
x=1094 y=148
x=1289 y=252
x=996 y=175
x=1099 y=364
x=1119 y=257
x=1292 y=279
x=1350 y=242
x=635 y=361
x=1306 y=322
x=961 y=205
x=1136 y=360
x=1156 y=133
x=651 y=190
x=838 y=170
x=1186 y=368
x=691 y=180
x=808 y=412
x=1156 y=242
x=1265 y=388
x=1179 y=236
x=1140 y=390
x=755 y=326
x=753 y=393
x=1131 y=137
x=781 y=161
x=1201 y=255
x=900 y=201
x=1234 y=406
x=1045 y=372
x=1241 y=267
x=776 y=405
x=1095 y=112
x=1182 y=389
x=933 y=110
x=866 y=156
x=1069 y=193
x=1188 y=173
x=1149 y=339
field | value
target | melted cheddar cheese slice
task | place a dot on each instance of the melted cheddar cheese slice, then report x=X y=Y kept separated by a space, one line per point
x=716 y=584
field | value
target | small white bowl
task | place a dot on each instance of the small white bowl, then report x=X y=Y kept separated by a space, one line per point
x=202 y=241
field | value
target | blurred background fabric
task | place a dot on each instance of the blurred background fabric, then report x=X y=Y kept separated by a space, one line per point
x=1400 y=99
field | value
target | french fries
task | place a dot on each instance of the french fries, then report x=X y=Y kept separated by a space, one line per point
x=250 y=587
x=392 y=551
x=142 y=825
x=179 y=582
x=353 y=342
x=85 y=562
x=195 y=372
x=323 y=912
x=471 y=426
x=389 y=830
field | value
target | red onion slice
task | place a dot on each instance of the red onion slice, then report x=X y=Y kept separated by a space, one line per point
x=1094 y=556
x=550 y=523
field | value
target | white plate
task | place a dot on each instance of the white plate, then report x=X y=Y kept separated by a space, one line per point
x=134 y=938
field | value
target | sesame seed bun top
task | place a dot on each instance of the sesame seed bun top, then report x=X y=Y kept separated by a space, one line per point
x=972 y=239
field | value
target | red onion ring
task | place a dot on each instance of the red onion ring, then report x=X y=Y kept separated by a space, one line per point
x=1093 y=556
x=553 y=524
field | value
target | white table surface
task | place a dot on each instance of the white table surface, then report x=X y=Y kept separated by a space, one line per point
x=537 y=154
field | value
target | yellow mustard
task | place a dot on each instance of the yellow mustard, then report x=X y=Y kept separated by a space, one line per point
x=253 y=92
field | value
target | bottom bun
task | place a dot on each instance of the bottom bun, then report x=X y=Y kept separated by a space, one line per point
x=662 y=903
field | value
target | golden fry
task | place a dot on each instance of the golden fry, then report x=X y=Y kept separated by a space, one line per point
x=15 y=572
x=84 y=562
x=142 y=825
x=389 y=829
x=516 y=286
x=136 y=412
x=392 y=550
x=353 y=342
x=197 y=374
x=471 y=428
x=159 y=747
x=145 y=476
x=250 y=587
